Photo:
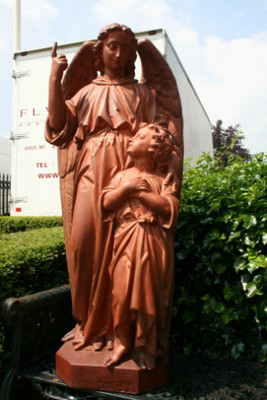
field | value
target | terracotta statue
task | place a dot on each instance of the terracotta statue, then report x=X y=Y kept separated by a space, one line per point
x=144 y=206
x=91 y=119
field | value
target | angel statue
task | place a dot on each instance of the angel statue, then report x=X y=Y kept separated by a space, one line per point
x=92 y=115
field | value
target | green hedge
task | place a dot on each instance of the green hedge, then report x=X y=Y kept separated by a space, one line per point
x=30 y=261
x=19 y=224
x=220 y=304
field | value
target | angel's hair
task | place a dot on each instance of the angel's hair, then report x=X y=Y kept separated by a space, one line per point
x=98 y=47
x=162 y=143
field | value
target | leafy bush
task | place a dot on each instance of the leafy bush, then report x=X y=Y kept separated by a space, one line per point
x=220 y=297
x=17 y=224
x=30 y=262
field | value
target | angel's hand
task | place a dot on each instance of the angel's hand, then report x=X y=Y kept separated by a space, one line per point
x=59 y=63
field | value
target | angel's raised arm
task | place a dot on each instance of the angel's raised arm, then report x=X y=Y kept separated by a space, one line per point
x=56 y=102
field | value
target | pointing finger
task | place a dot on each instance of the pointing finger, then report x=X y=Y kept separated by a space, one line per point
x=54 y=50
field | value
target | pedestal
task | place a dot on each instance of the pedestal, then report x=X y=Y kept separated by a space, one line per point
x=84 y=369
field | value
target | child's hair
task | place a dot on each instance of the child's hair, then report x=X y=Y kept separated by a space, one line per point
x=163 y=143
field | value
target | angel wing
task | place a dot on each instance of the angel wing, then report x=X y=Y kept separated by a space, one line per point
x=80 y=73
x=157 y=75
x=81 y=70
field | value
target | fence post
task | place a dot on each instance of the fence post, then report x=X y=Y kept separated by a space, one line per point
x=1 y=194
x=5 y=185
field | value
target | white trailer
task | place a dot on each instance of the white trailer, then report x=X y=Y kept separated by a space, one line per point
x=5 y=155
x=35 y=180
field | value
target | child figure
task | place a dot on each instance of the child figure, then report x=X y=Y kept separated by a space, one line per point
x=142 y=202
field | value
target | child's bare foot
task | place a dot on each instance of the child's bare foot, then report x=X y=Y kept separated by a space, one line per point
x=116 y=355
x=96 y=346
x=144 y=360
x=110 y=344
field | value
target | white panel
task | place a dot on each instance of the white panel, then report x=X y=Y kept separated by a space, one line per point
x=197 y=126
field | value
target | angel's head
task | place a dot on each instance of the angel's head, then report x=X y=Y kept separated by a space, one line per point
x=116 y=49
x=151 y=140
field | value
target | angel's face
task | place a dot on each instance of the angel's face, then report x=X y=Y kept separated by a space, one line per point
x=116 y=52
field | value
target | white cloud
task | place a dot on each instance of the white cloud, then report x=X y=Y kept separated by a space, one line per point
x=37 y=18
x=39 y=10
x=7 y=3
x=150 y=14
x=5 y=22
x=238 y=93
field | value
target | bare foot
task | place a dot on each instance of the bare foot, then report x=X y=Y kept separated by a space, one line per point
x=110 y=344
x=144 y=361
x=98 y=346
x=117 y=354
x=71 y=334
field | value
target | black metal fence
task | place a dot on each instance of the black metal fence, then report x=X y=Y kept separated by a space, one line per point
x=5 y=185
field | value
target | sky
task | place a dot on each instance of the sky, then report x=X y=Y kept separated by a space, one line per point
x=222 y=45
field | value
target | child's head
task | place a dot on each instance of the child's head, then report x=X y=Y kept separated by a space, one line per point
x=151 y=139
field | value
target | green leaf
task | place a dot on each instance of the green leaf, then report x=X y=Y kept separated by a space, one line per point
x=240 y=264
x=253 y=266
x=220 y=268
x=238 y=349
x=249 y=221
x=264 y=239
x=257 y=279
x=234 y=235
x=188 y=316
x=262 y=358
x=251 y=289
x=187 y=349
x=228 y=293
x=219 y=308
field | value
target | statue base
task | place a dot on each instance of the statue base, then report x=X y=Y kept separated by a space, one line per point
x=84 y=369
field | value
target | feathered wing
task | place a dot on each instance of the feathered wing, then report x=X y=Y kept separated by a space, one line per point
x=157 y=75
x=80 y=73
x=81 y=70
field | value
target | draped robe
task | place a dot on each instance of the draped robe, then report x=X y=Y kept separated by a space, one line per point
x=142 y=266
x=100 y=119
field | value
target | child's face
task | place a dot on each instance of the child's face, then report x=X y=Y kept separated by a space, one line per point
x=139 y=145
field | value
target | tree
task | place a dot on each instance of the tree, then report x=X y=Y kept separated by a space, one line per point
x=227 y=143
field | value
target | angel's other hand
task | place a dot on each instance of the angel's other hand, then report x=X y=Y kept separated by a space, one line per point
x=170 y=184
x=59 y=62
